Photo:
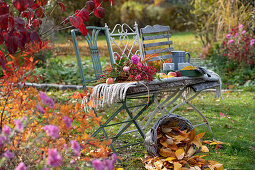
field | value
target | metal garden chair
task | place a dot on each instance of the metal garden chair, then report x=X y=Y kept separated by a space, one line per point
x=162 y=47
x=122 y=40
x=91 y=39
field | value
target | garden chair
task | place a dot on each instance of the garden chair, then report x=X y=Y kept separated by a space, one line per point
x=122 y=40
x=162 y=47
x=91 y=39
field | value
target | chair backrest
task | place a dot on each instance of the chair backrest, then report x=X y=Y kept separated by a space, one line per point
x=92 y=42
x=156 y=41
x=125 y=41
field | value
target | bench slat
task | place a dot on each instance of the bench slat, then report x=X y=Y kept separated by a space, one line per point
x=153 y=37
x=154 y=29
x=157 y=44
x=158 y=50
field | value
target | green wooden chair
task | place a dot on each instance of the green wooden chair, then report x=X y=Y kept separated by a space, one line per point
x=92 y=38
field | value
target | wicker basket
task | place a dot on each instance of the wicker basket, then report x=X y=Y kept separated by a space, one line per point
x=150 y=141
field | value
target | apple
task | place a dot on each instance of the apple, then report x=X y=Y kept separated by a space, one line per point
x=109 y=81
x=178 y=73
x=162 y=74
x=172 y=74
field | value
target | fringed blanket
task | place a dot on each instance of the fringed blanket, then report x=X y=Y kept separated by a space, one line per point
x=106 y=95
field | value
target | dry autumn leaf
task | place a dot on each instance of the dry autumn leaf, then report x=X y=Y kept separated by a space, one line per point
x=180 y=153
x=204 y=149
x=177 y=166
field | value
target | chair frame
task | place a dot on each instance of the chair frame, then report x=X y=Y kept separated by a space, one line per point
x=92 y=42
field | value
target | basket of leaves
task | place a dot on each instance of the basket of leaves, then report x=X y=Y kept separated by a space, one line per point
x=166 y=134
x=173 y=144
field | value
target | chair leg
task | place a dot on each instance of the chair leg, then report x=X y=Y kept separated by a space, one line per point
x=201 y=114
x=187 y=101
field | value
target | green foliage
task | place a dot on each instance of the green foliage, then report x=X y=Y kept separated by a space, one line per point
x=231 y=71
x=178 y=17
x=59 y=72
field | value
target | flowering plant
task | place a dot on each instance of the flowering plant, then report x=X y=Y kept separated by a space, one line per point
x=239 y=46
x=129 y=69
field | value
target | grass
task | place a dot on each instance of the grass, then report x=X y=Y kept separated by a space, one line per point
x=237 y=129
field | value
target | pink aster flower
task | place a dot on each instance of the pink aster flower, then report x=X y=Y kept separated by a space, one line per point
x=54 y=159
x=138 y=77
x=109 y=163
x=139 y=65
x=8 y=154
x=230 y=41
x=240 y=26
x=135 y=59
x=126 y=69
x=7 y=130
x=236 y=35
x=252 y=42
x=18 y=124
x=40 y=109
x=97 y=164
x=46 y=100
x=243 y=32
x=21 y=166
x=52 y=131
x=67 y=122
x=76 y=147
x=3 y=139
x=228 y=36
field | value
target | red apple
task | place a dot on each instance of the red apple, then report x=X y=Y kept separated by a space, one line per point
x=178 y=73
x=173 y=74
x=109 y=81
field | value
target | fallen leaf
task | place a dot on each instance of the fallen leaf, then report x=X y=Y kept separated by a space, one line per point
x=192 y=134
x=189 y=108
x=158 y=164
x=207 y=141
x=204 y=149
x=191 y=151
x=179 y=153
x=197 y=139
x=177 y=166
x=166 y=152
x=219 y=147
x=222 y=115
x=231 y=86
x=165 y=130
x=170 y=159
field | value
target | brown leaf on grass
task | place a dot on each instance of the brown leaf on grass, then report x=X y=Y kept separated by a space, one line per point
x=207 y=141
x=177 y=166
x=197 y=140
x=218 y=147
x=180 y=153
x=192 y=134
x=215 y=165
x=204 y=149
